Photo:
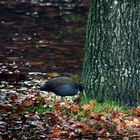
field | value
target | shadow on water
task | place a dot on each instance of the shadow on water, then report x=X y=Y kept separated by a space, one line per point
x=45 y=36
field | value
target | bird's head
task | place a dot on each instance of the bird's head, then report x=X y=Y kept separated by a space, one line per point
x=80 y=87
x=46 y=87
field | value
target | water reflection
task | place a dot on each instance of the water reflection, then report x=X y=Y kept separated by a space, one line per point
x=48 y=35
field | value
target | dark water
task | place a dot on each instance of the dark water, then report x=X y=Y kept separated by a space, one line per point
x=44 y=35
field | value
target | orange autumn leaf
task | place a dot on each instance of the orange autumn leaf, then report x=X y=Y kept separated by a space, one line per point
x=92 y=102
x=28 y=102
x=116 y=120
x=96 y=116
x=136 y=122
x=120 y=124
x=86 y=107
x=136 y=111
x=114 y=113
x=56 y=133
x=74 y=108
x=80 y=125
x=14 y=97
x=45 y=99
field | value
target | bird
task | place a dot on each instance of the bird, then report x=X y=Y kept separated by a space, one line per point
x=62 y=86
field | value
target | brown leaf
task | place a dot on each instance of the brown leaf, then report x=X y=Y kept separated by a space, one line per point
x=132 y=123
x=27 y=102
x=52 y=74
x=9 y=120
x=136 y=111
x=86 y=107
x=96 y=116
x=114 y=113
x=74 y=108
x=50 y=118
x=44 y=99
x=14 y=97
x=80 y=125
x=92 y=102
x=57 y=132
x=20 y=109
x=120 y=124
x=6 y=107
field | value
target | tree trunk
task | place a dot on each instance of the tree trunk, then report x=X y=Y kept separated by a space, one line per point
x=111 y=69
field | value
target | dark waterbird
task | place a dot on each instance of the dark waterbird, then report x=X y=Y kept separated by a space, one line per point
x=62 y=86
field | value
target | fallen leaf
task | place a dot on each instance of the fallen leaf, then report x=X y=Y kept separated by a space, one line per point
x=6 y=107
x=132 y=123
x=136 y=111
x=92 y=102
x=120 y=125
x=80 y=125
x=28 y=102
x=86 y=107
x=50 y=118
x=74 y=108
x=96 y=116
x=56 y=133
x=14 y=97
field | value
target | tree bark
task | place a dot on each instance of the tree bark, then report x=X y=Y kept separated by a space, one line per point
x=111 y=69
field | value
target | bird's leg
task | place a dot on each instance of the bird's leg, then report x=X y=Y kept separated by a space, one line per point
x=64 y=100
x=56 y=105
x=55 y=102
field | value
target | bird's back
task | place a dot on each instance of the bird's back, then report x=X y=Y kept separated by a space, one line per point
x=58 y=81
x=62 y=86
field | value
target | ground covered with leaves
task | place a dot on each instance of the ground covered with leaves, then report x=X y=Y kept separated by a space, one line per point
x=27 y=113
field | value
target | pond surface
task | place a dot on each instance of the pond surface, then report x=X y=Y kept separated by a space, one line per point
x=44 y=35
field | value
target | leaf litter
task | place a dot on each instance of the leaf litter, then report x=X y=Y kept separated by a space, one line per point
x=28 y=113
